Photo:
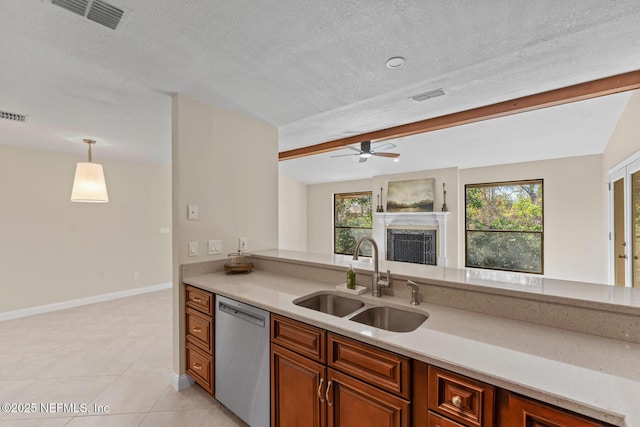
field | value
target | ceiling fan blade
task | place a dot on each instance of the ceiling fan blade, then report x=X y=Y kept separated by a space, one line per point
x=384 y=147
x=352 y=148
x=362 y=159
x=392 y=155
x=345 y=155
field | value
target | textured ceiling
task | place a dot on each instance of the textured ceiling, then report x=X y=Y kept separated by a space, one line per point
x=314 y=69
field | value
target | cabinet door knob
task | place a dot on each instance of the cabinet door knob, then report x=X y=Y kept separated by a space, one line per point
x=456 y=401
x=319 y=392
x=197 y=330
x=326 y=395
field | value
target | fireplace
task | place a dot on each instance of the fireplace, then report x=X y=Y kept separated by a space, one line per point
x=416 y=237
x=416 y=246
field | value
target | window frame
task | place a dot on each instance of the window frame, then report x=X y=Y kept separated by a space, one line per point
x=335 y=226
x=540 y=232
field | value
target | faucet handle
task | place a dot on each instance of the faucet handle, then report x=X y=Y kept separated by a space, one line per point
x=386 y=282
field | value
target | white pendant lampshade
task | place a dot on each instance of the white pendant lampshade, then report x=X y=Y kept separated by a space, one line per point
x=88 y=184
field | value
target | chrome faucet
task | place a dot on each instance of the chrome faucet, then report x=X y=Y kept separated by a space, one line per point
x=376 y=284
x=415 y=292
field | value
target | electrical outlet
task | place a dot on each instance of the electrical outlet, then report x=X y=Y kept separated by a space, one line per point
x=243 y=244
x=136 y=275
x=193 y=248
x=215 y=247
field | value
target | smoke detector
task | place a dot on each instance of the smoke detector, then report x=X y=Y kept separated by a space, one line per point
x=12 y=116
x=97 y=11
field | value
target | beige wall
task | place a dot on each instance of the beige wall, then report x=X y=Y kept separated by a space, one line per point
x=625 y=139
x=575 y=245
x=53 y=250
x=227 y=164
x=292 y=214
x=320 y=211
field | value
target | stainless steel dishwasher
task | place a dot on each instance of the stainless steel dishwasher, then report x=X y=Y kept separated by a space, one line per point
x=242 y=360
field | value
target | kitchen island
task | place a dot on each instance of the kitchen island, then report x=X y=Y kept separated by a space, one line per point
x=597 y=376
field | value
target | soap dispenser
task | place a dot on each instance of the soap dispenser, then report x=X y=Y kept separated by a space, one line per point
x=351 y=278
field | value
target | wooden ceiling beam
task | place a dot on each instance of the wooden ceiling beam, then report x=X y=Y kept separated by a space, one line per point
x=593 y=89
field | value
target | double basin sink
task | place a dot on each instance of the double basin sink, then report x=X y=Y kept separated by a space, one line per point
x=382 y=317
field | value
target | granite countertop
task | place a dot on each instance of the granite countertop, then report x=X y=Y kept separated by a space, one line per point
x=595 y=376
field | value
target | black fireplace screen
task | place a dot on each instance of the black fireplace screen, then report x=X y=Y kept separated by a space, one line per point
x=416 y=246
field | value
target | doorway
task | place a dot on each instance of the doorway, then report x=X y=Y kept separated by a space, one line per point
x=624 y=185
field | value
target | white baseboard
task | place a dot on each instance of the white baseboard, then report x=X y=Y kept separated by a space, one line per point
x=16 y=314
x=180 y=382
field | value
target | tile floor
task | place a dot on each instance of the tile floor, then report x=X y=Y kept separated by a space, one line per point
x=115 y=354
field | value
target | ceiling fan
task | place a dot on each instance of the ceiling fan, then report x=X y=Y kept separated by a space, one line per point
x=365 y=151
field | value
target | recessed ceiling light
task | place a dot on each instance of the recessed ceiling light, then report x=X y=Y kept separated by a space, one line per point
x=395 y=62
x=397 y=159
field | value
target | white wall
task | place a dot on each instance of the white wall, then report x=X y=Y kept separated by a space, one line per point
x=292 y=214
x=320 y=211
x=227 y=164
x=574 y=236
x=53 y=250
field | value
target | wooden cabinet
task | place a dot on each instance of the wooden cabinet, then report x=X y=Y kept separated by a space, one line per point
x=519 y=411
x=322 y=379
x=464 y=400
x=199 y=341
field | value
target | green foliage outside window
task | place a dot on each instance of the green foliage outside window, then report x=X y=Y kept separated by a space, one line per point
x=504 y=226
x=353 y=219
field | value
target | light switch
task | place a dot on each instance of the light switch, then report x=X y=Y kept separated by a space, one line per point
x=193 y=248
x=215 y=247
x=192 y=211
x=243 y=244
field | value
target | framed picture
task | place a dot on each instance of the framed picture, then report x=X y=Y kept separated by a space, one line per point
x=416 y=195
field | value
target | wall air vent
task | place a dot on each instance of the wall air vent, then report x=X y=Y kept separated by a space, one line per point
x=428 y=95
x=95 y=10
x=12 y=116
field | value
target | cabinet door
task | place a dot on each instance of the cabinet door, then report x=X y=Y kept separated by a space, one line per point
x=351 y=402
x=518 y=411
x=297 y=390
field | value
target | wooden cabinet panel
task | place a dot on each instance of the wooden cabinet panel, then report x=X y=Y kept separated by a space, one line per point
x=199 y=330
x=199 y=299
x=519 y=411
x=297 y=390
x=200 y=367
x=419 y=393
x=382 y=368
x=351 y=402
x=462 y=399
x=299 y=337
x=436 y=420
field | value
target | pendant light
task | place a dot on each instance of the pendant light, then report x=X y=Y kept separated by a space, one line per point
x=89 y=185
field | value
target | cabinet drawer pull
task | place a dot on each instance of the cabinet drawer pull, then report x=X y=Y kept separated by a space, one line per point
x=196 y=299
x=326 y=395
x=456 y=401
x=319 y=392
x=197 y=330
x=197 y=366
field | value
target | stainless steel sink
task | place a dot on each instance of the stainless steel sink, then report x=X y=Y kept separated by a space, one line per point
x=335 y=305
x=390 y=319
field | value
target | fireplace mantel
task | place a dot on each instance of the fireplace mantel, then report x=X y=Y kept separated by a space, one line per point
x=425 y=219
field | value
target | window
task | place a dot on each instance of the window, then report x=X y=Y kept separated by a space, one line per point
x=352 y=216
x=504 y=226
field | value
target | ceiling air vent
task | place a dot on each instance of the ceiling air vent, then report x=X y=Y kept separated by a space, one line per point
x=428 y=95
x=12 y=116
x=95 y=10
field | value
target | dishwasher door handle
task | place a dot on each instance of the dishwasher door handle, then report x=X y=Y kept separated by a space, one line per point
x=241 y=314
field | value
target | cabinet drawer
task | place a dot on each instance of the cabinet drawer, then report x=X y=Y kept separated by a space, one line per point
x=199 y=330
x=199 y=299
x=436 y=420
x=462 y=399
x=382 y=368
x=303 y=339
x=200 y=367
